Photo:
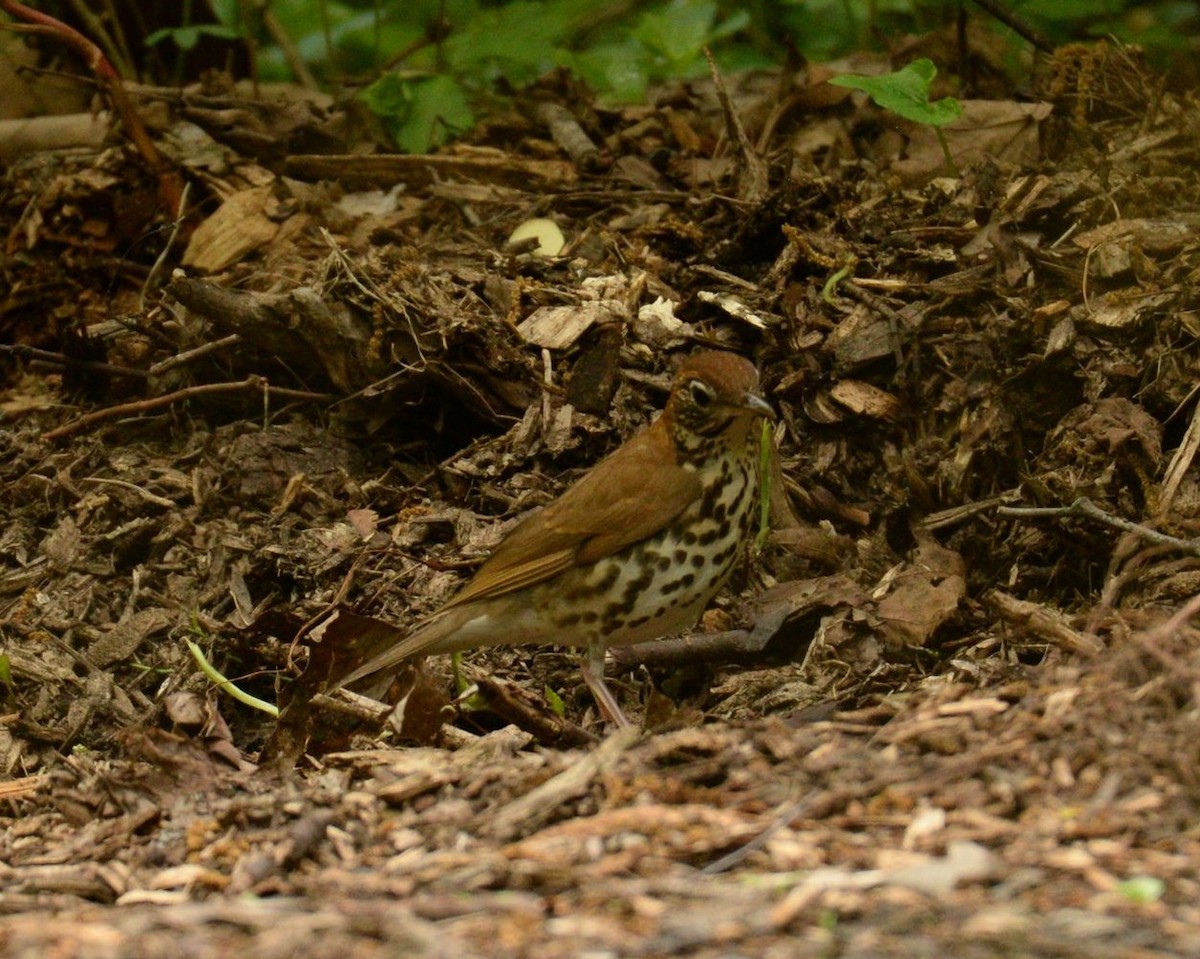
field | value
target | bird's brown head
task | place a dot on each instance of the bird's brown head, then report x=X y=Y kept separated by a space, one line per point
x=714 y=398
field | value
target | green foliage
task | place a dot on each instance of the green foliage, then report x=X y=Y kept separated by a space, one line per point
x=1067 y=11
x=456 y=54
x=822 y=28
x=825 y=29
x=515 y=42
x=906 y=93
x=419 y=113
x=186 y=38
x=666 y=41
x=1160 y=28
x=674 y=36
x=520 y=41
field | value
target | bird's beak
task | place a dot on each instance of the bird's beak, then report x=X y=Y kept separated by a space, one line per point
x=755 y=405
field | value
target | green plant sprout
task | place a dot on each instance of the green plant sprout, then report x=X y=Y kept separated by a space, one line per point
x=557 y=706
x=764 y=487
x=831 y=284
x=226 y=686
x=906 y=94
x=1142 y=889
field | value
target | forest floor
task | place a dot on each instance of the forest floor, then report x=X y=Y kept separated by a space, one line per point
x=923 y=722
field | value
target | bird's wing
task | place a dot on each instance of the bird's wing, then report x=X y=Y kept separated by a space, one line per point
x=626 y=498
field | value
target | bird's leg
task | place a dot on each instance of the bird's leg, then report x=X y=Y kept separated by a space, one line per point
x=592 y=669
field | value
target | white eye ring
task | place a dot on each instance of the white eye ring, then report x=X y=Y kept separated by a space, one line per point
x=701 y=393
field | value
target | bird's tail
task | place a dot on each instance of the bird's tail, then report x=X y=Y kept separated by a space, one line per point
x=436 y=635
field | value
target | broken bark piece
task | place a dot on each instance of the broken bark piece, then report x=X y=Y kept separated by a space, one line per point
x=597 y=373
x=300 y=327
x=568 y=134
x=863 y=399
x=238 y=228
x=1046 y=624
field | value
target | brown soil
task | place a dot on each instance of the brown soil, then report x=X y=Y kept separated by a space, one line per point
x=927 y=722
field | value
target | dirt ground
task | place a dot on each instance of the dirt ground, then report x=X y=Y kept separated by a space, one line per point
x=950 y=708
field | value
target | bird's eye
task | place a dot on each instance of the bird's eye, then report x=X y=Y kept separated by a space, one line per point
x=701 y=393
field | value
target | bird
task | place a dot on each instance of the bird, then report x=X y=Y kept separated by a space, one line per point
x=634 y=550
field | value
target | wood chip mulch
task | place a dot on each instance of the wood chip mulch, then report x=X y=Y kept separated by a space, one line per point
x=952 y=707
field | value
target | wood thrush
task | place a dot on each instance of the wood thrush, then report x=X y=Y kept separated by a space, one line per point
x=632 y=551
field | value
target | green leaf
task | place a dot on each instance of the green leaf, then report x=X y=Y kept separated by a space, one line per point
x=824 y=29
x=6 y=671
x=305 y=21
x=185 y=38
x=680 y=30
x=1142 y=889
x=389 y=96
x=517 y=41
x=734 y=23
x=226 y=11
x=419 y=113
x=557 y=706
x=668 y=42
x=906 y=93
x=617 y=71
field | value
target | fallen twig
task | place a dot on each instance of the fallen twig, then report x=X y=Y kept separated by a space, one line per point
x=156 y=271
x=531 y=810
x=791 y=811
x=61 y=359
x=1085 y=507
x=753 y=178
x=1017 y=24
x=250 y=383
x=188 y=356
x=568 y=134
x=1180 y=462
